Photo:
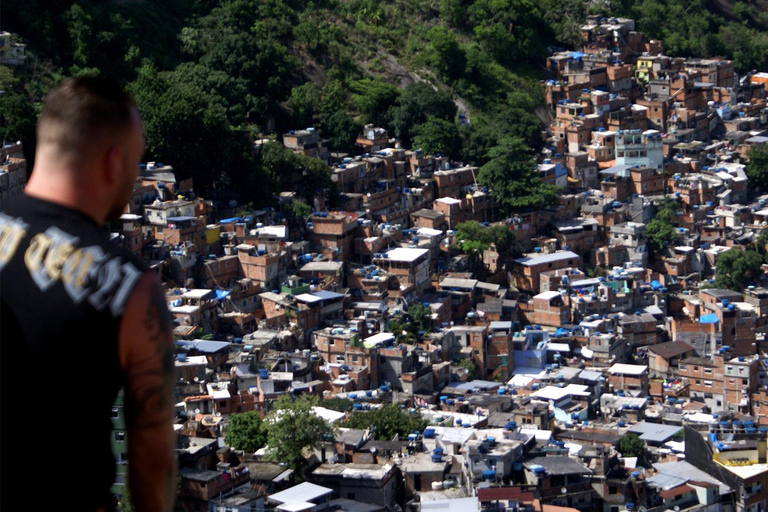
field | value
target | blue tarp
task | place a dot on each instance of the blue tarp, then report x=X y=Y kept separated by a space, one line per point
x=222 y=294
x=710 y=318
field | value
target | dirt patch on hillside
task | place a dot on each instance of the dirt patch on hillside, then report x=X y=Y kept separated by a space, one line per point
x=385 y=65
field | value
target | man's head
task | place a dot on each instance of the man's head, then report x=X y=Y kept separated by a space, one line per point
x=90 y=128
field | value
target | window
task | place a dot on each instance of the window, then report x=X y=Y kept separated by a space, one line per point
x=115 y=413
x=120 y=437
x=707 y=370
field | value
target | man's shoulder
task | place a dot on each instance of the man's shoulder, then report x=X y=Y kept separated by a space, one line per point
x=62 y=245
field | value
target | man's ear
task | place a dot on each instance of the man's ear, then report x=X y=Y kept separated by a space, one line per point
x=112 y=164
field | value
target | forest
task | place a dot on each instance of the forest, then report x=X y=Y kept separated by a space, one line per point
x=455 y=77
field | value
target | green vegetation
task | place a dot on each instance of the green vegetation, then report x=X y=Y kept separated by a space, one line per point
x=693 y=28
x=292 y=428
x=736 y=269
x=300 y=211
x=469 y=365
x=246 y=432
x=209 y=76
x=659 y=230
x=475 y=238
x=757 y=166
x=421 y=317
x=402 y=331
x=510 y=175
x=286 y=170
x=631 y=445
x=387 y=422
x=338 y=404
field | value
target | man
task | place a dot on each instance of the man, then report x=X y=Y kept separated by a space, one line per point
x=81 y=318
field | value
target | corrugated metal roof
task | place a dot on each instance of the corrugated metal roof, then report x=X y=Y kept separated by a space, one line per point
x=654 y=432
x=453 y=282
x=327 y=295
x=529 y=261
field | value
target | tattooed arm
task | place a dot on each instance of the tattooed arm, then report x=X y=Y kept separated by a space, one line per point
x=146 y=355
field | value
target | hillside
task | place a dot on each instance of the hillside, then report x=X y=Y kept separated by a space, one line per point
x=210 y=75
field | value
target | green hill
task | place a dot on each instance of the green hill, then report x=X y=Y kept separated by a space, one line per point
x=209 y=75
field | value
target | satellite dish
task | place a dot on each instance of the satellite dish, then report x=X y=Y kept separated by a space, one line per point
x=563 y=490
x=677 y=508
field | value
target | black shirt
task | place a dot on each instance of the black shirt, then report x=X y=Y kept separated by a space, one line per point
x=63 y=289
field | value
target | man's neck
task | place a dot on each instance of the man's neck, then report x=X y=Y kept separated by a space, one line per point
x=60 y=188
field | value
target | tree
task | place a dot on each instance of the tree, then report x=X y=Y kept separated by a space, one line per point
x=292 y=427
x=402 y=331
x=342 y=131
x=757 y=166
x=291 y=171
x=477 y=139
x=386 y=422
x=338 y=404
x=736 y=269
x=17 y=119
x=183 y=122
x=437 y=136
x=565 y=16
x=239 y=38
x=454 y=12
x=421 y=317
x=372 y=98
x=304 y=103
x=512 y=180
x=631 y=445
x=660 y=233
x=300 y=211
x=760 y=244
x=475 y=238
x=445 y=54
x=418 y=102
x=246 y=432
